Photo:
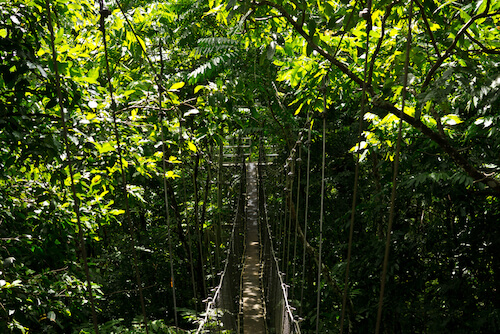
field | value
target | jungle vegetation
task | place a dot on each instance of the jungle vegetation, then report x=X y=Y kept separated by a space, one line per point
x=110 y=109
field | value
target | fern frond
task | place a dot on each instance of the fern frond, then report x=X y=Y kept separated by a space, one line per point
x=211 y=45
x=212 y=67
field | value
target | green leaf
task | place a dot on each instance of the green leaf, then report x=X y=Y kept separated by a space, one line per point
x=51 y=316
x=116 y=212
x=59 y=36
x=173 y=97
x=214 y=10
x=197 y=88
x=329 y=11
x=106 y=147
x=92 y=75
x=176 y=86
x=451 y=119
x=299 y=109
x=271 y=50
x=192 y=146
x=96 y=179
x=191 y=112
x=481 y=6
x=171 y=175
x=309 y=49
x=174 y=160
x=52 y=103
x=311 y=25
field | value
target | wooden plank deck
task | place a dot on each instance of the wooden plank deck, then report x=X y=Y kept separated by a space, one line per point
x=253 y=310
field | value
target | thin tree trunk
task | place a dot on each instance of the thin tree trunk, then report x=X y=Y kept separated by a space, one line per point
x=218 y=234
x=206 y=238
x=199 y=264
x=324 y=269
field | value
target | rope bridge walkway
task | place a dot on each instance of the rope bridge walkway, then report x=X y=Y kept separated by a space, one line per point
x=253 y=311
x=251 y=296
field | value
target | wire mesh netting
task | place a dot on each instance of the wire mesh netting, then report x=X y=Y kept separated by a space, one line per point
x=278 y=310
x=223 y=310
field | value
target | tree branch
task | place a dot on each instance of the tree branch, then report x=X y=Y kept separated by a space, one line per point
x=426 y=22
x=482 y=46
x=379 y=43
x=298 y=28
x=459 y=159
x=267 y=18
x=13 y=114
x=450 y=49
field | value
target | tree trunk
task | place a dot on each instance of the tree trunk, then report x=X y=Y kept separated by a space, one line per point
x=199 y=263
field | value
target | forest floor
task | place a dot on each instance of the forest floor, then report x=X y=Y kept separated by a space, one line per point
x=253 y=310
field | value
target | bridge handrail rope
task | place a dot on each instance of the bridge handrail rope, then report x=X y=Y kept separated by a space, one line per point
x=289 y=200
x=219 y=314
x=281 y=316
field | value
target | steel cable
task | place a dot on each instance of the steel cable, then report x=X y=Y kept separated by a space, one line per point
x=367 y=17
x=322 y=203
x=395 y=174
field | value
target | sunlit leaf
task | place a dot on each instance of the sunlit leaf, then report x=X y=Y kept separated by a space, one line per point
x=197 y=88
x=59 y=36
x=96 y=179
x=173 y=160
x=171 y=175
x=451 y=119
x=191 y=112
x=106 y=147
x=298 y=109
x=214 y=10
x=192 y=146
x=176 y=86
x=271 y=49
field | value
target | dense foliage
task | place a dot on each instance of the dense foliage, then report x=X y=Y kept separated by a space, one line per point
x=186 y=78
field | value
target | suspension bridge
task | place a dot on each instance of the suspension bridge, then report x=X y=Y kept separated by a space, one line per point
x=251 y=296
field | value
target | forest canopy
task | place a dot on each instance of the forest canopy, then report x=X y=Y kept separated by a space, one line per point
x=115 y=117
